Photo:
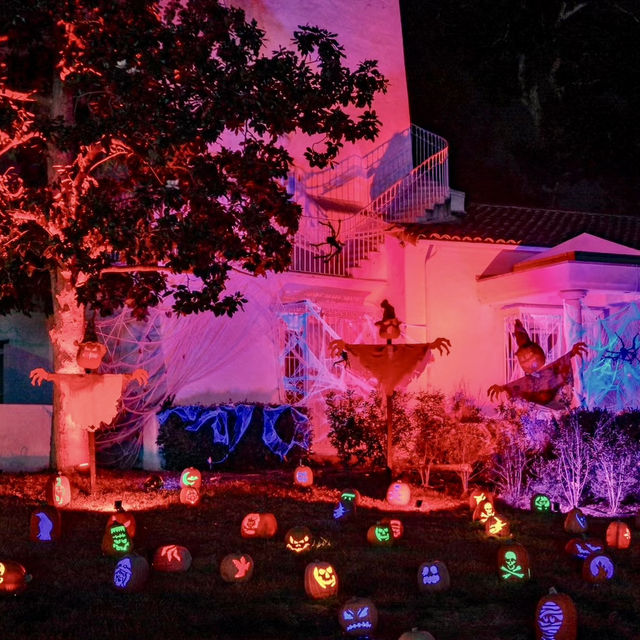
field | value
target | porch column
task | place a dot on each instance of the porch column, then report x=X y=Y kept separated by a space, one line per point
x=574 y=332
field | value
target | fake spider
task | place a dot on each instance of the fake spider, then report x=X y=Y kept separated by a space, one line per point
x=624 y=354
x=335 y=245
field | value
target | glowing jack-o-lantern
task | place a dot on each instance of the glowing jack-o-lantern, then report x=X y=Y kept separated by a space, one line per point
x=575 y=521
x=477 y=496
x=320 y=580
x=172 y=558
x=497 y=527
x=191 y=477
x=598 y=568
x=303 y=476
x=513 y=563
x=13 y=577
x=399 y=494
x=259 y=525
x=433 y=575
x=397 y=528
x=131 y=573
x=583 y=547
x=483 y=512
x=298 y=539
x=358 y=617
x=618 y=535
x=190 y=496
x=45 y=525
x=540 y=503
x=236 y=567
x=416 y=634
x=116 y=541
x=556 y=617
x=59 y=491
x=380 y=535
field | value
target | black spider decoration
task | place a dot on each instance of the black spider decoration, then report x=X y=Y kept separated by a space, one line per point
x=335 y=245
x=624 y=354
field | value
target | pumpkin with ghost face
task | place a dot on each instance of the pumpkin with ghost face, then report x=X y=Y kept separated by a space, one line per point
x=358 y=617
x=131 y=573
x=320 y=580
x=259 y=525
x=433 y=575
x=556 y=617
x=236 y=567
x=298 y=539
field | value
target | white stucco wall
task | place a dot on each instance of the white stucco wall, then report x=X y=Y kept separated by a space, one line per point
x=25 y=437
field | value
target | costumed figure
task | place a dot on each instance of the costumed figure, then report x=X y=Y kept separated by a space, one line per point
x=541 y=382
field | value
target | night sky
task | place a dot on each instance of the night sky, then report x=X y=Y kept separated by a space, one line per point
x=540 y=101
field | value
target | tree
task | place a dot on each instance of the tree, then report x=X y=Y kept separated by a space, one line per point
x=140 y=139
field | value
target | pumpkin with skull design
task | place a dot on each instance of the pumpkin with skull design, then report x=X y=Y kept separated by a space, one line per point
x=477 y=496
x=575 y=521
x=13 y=578
x=380 y=535
x=618 y=535
x=259 y=525
x=497 y=527
x=358 y=617
x=513 y=563
x=556 y=617
x=416 y=634
x=303 y=476
x=433 y=575
x=583 y=547
x=172 y=558
x=483 y=512
x=597 y=568
x=45 y=525
x=236 y=567
x=299 y=539
x=399 y=493
x=131 y=573
x=540 y=503
x=320 y=580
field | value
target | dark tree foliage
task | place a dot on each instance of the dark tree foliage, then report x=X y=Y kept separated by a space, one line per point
x=136 y=135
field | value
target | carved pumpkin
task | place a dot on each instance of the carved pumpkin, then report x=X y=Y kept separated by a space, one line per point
x=497 y=527
x=433 y=575
x=320 y=580
x=575 y=521
x=380 y=535
x=618 y=535
x=45 y=525
x=171 y=558
x=90 y=354
x=259 y=525
x=191 y=477
x=583 y=547
x=236 y=567
x=397 y=528
x=298 y=539
x=483 y=512
x=126 y=519
x=303 y=476
x=399 y=494
x=190 y=496
x=597 y=568
x=351 y=496
x=13 y=577
x=131 y=573
x=59 y=491
x=358 y=617
x=513 y=563
x=477 y=496
x=116 y=541
x=556 y=617
x=540 y=503
x=416 y=634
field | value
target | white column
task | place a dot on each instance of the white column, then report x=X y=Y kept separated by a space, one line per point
x=574 y=332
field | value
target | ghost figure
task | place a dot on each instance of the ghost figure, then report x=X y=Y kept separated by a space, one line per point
x=430 y=575
x=122 y=573
x=45 y=526
x=550 y=620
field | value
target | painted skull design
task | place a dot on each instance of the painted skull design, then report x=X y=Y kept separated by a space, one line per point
x=511 y=568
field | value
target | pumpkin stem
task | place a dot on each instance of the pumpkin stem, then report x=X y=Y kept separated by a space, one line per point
x=553 y=591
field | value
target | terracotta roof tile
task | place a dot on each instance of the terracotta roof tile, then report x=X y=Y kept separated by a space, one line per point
x=529 y=226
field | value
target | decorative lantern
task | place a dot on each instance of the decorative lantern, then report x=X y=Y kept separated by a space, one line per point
x=236 y=567
x=540 y=503
x=597 y=568
x=190 y=496
x=399 y=493
x=13 y=577
x=320 y=580
x=575 y=521
x=380 y=535
x=556 y=617
x=618 y=535
x=397 y=528
x=358 y=617
x=483 y=512
x=126 y=519
x=116 y=541
x=583 y=547
x=513 y=563
x=299 y=539
x=497 y=527
x=433 y=575
x=416 y=634
x=259 y=525
x=131 y=573
x=477 y=496
x=172 y=558
x=45 y=525
x=350 y=496
x=191 y=477
x=59 y=491
x=303 y=476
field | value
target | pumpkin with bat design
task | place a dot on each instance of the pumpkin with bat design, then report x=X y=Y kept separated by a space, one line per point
x=598 y=568
x=575 y=521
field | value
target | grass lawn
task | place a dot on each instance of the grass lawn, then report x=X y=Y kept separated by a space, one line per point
x=71 y=595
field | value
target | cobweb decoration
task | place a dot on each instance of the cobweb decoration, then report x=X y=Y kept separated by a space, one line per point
x=611 y=376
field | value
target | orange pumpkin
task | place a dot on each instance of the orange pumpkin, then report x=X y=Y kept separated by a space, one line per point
x=259 y=525
x=513 y=563
x=131 y=573
x=299 y=539
x=483 y=512
x=191 y=477
x=477 y=496
x=59 y=491
x=618 y=535
x=303 y=476
x=236 y=567
x=45 y=525
x=380 y=535
x=433 y=575
x=172 y=558
x=497 y=527
x=126 y=519
x=358 y=617
x=416 y=634
x=190 y=496
x=320 y=580
x=116 y=541
x=13 y=577
x=583 y=547
x=556 y=617
x=397 y=528
x=575 y=521
x=597 y=568
x=399 y=494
